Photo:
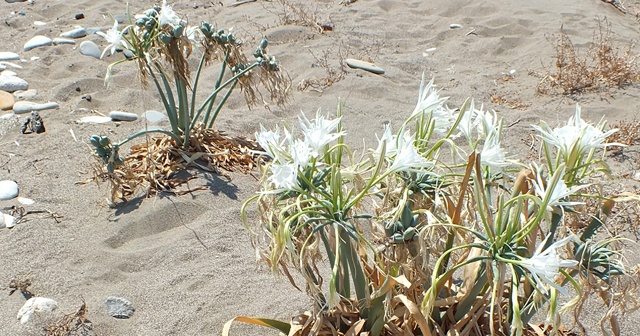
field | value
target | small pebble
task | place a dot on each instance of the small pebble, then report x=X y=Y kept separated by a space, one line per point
x=123 y=116
x=39 y=23
x=79 y=16
x=94 y=120
x=455 y=26
x=59 y=40
x=12 y=83
x=12 y=1
x=75 y=33
x=27 y=106
x=358 y=64
x=118 y=307
x=37 y=41
x=93 y=30
x=154 y=117
x=13 y=65
x=2 y=66
x=88 y=48
x=25 y=201
x=8 y=56
x=8 y=190
x=637 y=176
x=27 y=94
x=36 y=304
x=7 y=116
x=6 y=100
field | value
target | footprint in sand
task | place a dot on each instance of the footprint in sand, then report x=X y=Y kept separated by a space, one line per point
x=158 y=226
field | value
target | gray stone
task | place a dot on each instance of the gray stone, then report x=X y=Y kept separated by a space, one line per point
x=8 y=56
x=75 y=33
x=93 y=30
x=27 y=106
x=12 y=1
x=8 y=190
x=89 y=48
x=121 y=18
x=27 y=94
x=358 y=64
x=154 y=117
x=455 y=26
x=119 y=307
x=59 y=40
x=2 y=67
x=123 y=116
x=12 y=83
x=37 y=41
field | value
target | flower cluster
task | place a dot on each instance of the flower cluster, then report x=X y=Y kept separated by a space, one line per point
x=290 y=155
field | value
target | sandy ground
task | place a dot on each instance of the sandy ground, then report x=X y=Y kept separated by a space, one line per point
x=186 y=262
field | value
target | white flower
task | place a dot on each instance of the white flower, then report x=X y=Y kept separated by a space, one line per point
x=488 y=124
x=467 y=120
x=284 y=176
x=168 y=16
x=428 y=99
x=555 y=191
x=114 y=37
x=407 y=157
x=492 y=155
x=319 y=132
x=389 y=141
x=301 y=153
x=545 y=264
x=270 y=141
x=577 y=134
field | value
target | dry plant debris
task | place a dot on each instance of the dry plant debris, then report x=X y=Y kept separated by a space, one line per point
x=298 y=15
x=513 y=103
x=152 y=165
x=72 y=324
x=332 y=74
x=602 y=67
x=21 y=284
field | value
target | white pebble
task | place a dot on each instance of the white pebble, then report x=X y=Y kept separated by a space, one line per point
x=8 y=56
x=455 y=26
x=25 y=201
x=39 y=23
x=8 y=73
x=8 y=190
x=8 y=221
x=36 y=304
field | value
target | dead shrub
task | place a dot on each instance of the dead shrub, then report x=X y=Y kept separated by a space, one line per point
x=603 y=66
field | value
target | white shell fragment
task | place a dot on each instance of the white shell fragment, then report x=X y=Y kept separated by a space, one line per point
x=8 y=221
x=94 y=120
x=36 y=304
x=25 y=201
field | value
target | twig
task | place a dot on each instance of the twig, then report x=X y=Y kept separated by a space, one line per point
x=513 y=123
x=241 y=3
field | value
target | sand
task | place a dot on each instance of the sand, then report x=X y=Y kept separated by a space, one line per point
x=186 y=262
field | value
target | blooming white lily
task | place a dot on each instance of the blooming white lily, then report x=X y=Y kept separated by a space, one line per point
x=407 y=158
x=555 y=191
x=389 y=141
x=271 y=143
x=577 y=134
x=168 y=16
x=428 y=99
x=545 y=265
x=114 y=38
x=468 y=120
x=492 y=155
x=319 y=132
x=284 y=176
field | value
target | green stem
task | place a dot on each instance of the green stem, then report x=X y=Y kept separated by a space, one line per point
x=167 y=106
x=222 y=102
x=223 y=68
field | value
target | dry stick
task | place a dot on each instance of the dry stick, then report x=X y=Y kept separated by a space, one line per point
x=241 y=3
